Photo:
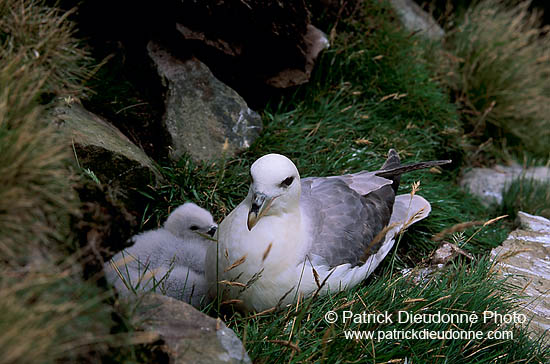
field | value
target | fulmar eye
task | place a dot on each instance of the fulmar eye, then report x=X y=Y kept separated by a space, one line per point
x=194 y=227
x=287 y=182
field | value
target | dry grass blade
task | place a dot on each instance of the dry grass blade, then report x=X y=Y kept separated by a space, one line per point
x=232 y=284
x=235 y=264
x=489 y=222
x=414 y=300
x=465 y=225
x=264 y=312
x=411 y=219
x=456 y=228
x=370 y=247
x=281 y=300
x=485 y=224
x=510 y=254
x=266 y=253
x=316 y=277
x=232 y=302
x=291 y=345
x=345 y=305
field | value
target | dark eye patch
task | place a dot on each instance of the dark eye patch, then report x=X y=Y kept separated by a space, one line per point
x=194 y=227
x=287 y=182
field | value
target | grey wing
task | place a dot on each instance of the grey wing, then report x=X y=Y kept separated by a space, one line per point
x=344 y=222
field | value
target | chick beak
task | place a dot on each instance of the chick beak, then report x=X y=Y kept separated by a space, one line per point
x=260 y=204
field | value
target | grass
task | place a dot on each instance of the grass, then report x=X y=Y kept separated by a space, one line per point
x=33 y=160
x=527 y=195
x=301 y=334
x=48 y=313
x=497 y=66
x=44 y=39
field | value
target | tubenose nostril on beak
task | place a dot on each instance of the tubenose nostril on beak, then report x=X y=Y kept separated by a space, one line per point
x=255 y=207
x=212 y=230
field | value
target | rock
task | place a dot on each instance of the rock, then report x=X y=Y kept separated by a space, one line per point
x=534 y=223
x=188 y=335
x=204 y=117
x=264 y=40
x=102 y=227
x=436 y=263
x=446 y=253
x=488 y=183
x=316 y=41
x=417 y=20
x=104 y=150
x=524 y=257
x=109 y=199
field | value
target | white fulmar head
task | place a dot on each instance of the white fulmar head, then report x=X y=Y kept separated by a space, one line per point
x=275 y=187
x=189 y=219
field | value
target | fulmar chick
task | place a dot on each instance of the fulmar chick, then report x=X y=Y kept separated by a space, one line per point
x=169 y=260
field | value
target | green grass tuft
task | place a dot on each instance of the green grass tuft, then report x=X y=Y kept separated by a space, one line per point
x=462 y=288
x=527 y=195
x=42 y=38
x=48 y=314
x=497 y=65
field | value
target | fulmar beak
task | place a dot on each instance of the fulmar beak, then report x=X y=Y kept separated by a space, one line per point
x=260 y=204
x=212 y=230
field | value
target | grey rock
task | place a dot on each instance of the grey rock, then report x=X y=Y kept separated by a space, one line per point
x=316 y=41
x=204 y=117
x=436 y=264
x=534 y=223
x=446 y=253
x=488 y=183
x=108 y=209
x=524 y=257
x=257 y=42
x=102 y=149
x=188 y=335
x=417 y=20
x=87 y=128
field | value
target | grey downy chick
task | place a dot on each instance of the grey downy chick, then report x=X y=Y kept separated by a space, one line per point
x=169 y=260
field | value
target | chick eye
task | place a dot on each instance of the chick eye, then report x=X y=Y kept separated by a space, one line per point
x=194 y=227
x=287 y=182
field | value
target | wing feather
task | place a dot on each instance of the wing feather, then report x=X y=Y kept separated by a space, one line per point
x=344 y=222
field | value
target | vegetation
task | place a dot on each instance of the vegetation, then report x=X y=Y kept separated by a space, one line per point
x=497 y=66
x=301 y=334
x=527 y=195
x=36 y=192
x=47 y=312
